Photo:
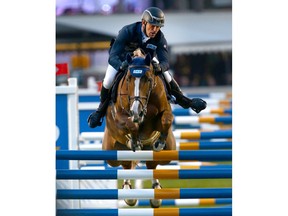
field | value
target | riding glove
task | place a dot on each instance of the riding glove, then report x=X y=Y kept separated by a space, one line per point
x=124 y=66
x=156 y=67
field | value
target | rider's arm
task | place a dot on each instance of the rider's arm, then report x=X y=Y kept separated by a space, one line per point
x=118 y=48
x=162 y=54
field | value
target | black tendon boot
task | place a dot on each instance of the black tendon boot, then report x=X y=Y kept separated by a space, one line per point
x=196 y=104
x=96 y=118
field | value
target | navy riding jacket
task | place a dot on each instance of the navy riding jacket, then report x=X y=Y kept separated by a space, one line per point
x=130 y=38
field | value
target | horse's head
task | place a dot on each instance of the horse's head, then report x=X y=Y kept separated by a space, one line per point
x=140 y=84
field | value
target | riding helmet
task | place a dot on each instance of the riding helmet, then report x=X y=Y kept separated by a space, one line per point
x=154 y=16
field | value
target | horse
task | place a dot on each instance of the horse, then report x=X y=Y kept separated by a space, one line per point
x=140 y=118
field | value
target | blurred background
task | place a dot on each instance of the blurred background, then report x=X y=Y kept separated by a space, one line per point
x=198 y=32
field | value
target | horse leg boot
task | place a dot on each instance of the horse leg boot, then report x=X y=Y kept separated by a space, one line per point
x=96 y=118
x=196 y=104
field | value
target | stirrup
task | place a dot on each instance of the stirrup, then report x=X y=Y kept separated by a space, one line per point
x=171 y=99
x=100 y=119
x=99 y=123
x=197 y=104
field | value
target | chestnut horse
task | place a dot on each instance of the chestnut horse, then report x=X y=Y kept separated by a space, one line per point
x=140 y=118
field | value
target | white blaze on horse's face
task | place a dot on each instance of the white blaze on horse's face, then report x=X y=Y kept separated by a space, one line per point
x=135 y=110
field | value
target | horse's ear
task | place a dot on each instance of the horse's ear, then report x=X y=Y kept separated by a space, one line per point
x=148 y=59
x=128 y=58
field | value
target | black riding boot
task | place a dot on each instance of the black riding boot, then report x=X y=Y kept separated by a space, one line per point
x=196 y=104
x=96 y=118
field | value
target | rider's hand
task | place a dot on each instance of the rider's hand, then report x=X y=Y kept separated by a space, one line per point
x=156 y=67
x=124 y=66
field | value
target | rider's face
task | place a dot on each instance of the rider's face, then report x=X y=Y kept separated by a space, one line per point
x=151 y=30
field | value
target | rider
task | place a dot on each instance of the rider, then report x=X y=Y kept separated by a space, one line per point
x=147 y=36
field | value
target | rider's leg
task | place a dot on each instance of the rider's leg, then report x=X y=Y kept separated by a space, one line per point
x=95 y=118
x=196 y=104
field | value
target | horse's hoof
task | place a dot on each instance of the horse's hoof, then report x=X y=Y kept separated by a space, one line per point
x=158 y=146
x=135 y=145
x=136 y=148
x=156 y=203
x=130 y=202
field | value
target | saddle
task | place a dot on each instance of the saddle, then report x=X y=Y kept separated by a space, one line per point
x=115 y=84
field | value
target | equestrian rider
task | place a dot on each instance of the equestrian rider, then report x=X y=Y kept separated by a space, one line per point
x=147 y=36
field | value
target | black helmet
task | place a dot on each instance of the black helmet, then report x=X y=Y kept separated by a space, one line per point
x=154 y=16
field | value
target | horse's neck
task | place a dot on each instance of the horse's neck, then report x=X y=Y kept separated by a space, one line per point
x=160 y=86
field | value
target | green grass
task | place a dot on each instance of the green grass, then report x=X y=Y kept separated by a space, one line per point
x=187 y=183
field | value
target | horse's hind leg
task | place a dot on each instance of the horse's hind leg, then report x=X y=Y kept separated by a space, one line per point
x=126 y=165
x=170 y=145
x=126 y=183
x=154 y=203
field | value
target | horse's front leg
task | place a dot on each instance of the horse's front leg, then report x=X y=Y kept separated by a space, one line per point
x=133 y=129
x=163 y=126
x=125 y=124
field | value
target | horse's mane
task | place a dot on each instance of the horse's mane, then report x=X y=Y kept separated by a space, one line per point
x=139 y=53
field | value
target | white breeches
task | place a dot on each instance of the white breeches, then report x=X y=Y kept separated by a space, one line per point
x=167 y=75
x=109 y=77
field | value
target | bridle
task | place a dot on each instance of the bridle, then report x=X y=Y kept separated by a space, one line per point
x=143 y=100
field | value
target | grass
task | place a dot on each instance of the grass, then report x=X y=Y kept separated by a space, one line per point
x=187 y=183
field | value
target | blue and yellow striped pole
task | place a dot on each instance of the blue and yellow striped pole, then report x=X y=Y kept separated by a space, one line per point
x=187 y=202
x=188 y=112
x=197 y=145
x=178 y=134
x=201 y=155
x=179 y=120
x=144 y=174
x=223 y=211
x=169 y=193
